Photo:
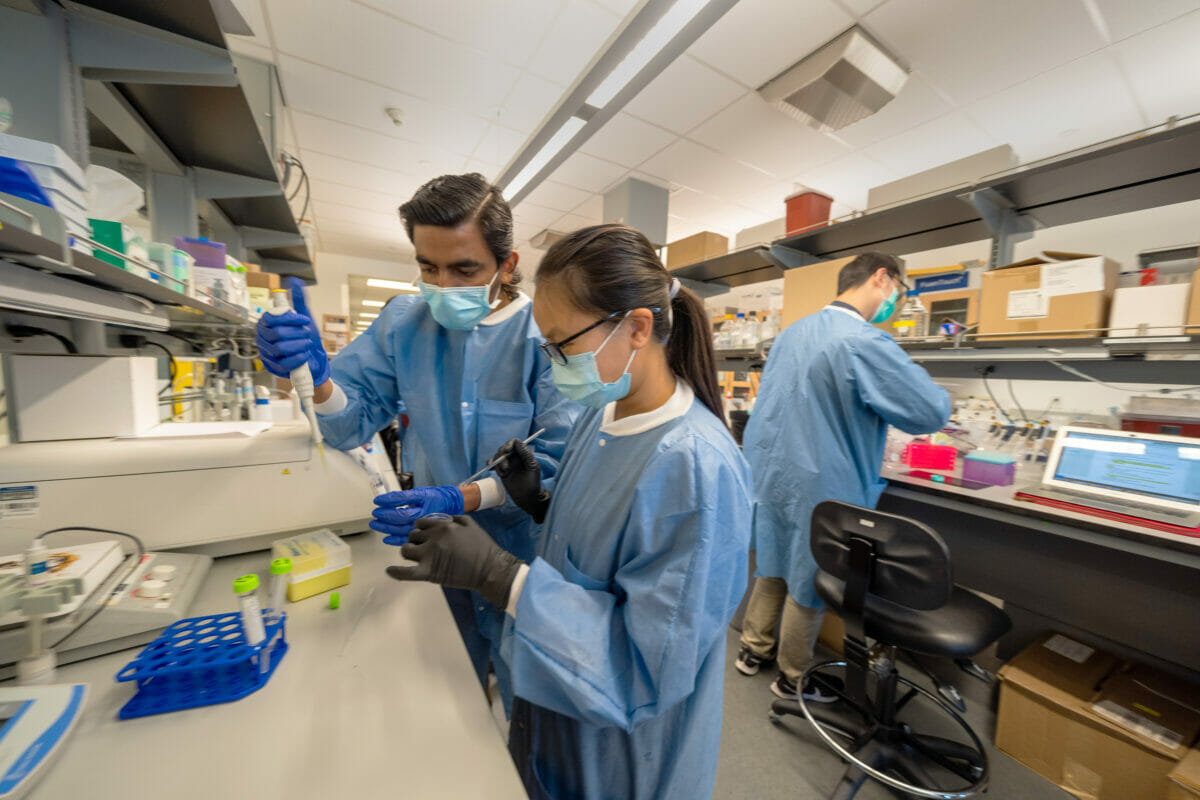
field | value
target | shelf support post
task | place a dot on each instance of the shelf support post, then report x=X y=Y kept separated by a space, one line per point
x=1007 y=225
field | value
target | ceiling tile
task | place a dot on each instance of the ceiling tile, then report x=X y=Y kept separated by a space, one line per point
x=979 y=47
x=917 y=103
x=1124 y=19
x=588 y=172
x=1031 y=117
x=361 y=41
x=356 y=196
x=334 y=212
x=499 y=145
x=327 y=136
x=767 y=199
x=862 y=7
x=509 y=30
x=557 y=196
x=697 y=167
x=752 y=131
x=627 y=141
x=621 y=7
x=573 y=222
x=685 y=94
x=678 y=228
x=322 y=167
x=577 y=34
x=945 y=139
x=322 y=92
x=592 y=208
x=847 y=179
x=533 y=215
x=251 y=47
x=1163 y=65
x=532 y=98
x=758 y=39
x=712 y=213
x=252 y=13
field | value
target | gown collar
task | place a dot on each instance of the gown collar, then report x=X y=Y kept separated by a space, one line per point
x=845 y=308
x=507 y=313
x=678 y=405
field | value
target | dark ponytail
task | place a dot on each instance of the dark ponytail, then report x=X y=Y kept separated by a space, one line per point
x=614 y=268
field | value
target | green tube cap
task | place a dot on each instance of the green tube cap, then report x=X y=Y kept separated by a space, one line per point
x=335 y=600
x=246 y=583
x=281 y=566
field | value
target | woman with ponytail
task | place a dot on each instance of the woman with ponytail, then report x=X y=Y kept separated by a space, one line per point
x=615 y=633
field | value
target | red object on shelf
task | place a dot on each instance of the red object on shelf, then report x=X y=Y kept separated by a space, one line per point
x=920 y=455
x=1112 y=515
x=807 y=210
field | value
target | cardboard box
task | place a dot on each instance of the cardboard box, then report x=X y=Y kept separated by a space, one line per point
x=252 y=267
x=81 y=397
x=262 y=280
x=1063 y=295
x=1100 y=731
x=702 y=246
x=1185 y=778
x=809 y=289
x=1193 y=315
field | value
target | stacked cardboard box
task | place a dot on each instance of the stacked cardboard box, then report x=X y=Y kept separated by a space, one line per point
x=1058 y=295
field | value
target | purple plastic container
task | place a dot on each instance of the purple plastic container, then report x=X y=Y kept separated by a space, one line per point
x=206 y=253
x=993 y=469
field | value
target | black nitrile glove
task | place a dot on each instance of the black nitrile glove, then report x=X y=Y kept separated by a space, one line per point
x=456 y=552
x=522 y=478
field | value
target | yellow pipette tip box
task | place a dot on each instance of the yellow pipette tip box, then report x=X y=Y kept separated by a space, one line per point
x=320 y=562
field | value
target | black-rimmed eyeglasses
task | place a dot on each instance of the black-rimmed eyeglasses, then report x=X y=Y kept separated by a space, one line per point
x=553 y=350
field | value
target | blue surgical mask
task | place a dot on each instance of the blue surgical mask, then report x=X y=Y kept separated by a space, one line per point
x=885 y=310
x=579 y=379
x=459 y=308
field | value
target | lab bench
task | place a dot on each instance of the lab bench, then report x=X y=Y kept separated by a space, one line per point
x=1135 y=588
x=374 y=699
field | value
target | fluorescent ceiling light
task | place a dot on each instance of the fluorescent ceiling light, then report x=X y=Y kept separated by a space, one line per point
x=651 y=45
x=373 y=303
x=379 y=283
x=550 y=149
x=366 y=315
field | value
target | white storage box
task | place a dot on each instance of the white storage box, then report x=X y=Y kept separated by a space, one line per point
x=80 y=397
x=39 y=155
x=1161 y=309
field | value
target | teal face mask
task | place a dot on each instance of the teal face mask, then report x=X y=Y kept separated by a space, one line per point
x=459 y=308
x=885 y=310
x=579 y=379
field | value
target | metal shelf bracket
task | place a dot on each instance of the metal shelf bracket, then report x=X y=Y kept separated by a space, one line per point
x=1008 y=227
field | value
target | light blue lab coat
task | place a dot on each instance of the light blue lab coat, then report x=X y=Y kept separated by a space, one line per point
x=465 y=394
x=831 y=386
x=617 y=649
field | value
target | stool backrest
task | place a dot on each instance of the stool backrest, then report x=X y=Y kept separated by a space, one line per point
x=910 y=564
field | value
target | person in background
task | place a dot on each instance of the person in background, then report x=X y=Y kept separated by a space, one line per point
x=461 y=359
x=615 y=632
x=831 y=386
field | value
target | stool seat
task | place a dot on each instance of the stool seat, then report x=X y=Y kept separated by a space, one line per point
x=962 y=627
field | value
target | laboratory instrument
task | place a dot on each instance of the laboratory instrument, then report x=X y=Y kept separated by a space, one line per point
x=492 y=464
x=301 y=376
x=34 y=723
x=246 y=589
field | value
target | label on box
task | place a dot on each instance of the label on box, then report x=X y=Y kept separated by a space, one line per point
x=1069 y=648
x=1137 y=723
x=1028 y=304
x=19 y=501
x=942 y=283
x=1072 y=277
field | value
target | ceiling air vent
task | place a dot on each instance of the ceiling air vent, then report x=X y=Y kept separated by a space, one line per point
x=844 y=81
x=544 y=239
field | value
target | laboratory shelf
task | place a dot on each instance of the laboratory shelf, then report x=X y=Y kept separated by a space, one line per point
x=739 y=268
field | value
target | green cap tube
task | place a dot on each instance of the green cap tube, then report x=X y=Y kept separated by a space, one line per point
x=281 y=566
x=246 y=583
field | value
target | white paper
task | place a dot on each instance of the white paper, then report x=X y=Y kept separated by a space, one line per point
x=1069 y=648
x=1073 y=277
x=1028 y=304
x=170 y=430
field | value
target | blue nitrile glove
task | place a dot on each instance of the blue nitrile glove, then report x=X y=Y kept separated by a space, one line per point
x=286 y=341
x=397 y=511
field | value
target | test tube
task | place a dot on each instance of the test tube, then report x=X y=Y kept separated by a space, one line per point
x=280 y=569
x=246 y=588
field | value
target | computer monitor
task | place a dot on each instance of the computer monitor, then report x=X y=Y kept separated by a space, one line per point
x=1154 y=469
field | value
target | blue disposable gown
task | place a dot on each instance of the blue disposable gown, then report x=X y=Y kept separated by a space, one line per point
x=465 y=394
x=831 y=386
x=617 y=648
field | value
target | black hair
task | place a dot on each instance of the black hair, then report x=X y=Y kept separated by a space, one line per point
x=860 y=270
x=614 y=268
x=450 y=200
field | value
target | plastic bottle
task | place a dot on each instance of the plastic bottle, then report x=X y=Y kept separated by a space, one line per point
x=246 y=588
x=751 y=332
x=36 y=568
x=739 y=332
x=261 y=411
x=280 y=569
x=913 y=322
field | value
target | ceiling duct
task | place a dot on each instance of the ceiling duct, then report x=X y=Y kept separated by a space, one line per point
x=543 y=240
x=844 y=81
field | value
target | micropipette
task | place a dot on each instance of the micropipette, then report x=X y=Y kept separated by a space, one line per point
x=302 y=380
x=496 y=461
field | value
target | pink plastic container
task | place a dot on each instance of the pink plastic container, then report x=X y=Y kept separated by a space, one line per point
x=920 y=455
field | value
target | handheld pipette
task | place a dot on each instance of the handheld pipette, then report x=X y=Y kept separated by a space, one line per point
x=495 y=461
x=302 y=380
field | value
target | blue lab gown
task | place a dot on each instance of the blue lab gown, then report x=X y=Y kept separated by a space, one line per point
x=831 y=386
x=465 y=393
x=617 y=649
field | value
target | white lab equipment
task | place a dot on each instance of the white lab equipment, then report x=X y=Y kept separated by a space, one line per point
x=246 y=589
x=36 y=721
x=301 y=376
x=913 y=322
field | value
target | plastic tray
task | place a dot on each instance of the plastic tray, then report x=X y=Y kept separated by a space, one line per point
x=202 y=661
x=920 y=455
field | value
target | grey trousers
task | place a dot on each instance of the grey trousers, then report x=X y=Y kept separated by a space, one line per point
x=776 y=625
